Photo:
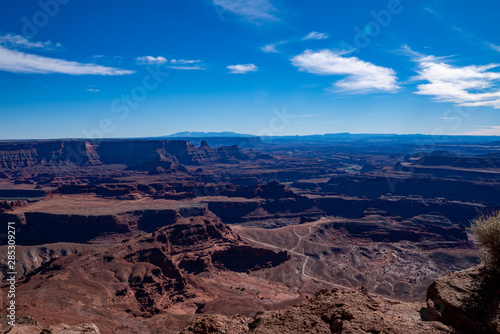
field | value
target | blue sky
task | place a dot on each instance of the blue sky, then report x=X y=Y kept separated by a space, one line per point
x=122 y=68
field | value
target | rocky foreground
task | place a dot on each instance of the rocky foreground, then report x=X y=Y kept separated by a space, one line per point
x=463 y=302
x=470 y=299
x=329 y=311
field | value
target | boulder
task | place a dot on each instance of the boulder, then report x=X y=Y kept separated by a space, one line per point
x=467 y=299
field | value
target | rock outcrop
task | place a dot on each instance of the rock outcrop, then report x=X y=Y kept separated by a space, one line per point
x=41 y=227
x=9 y=205
x=64 y=222
x=422 y=228
x=375 y=186
x=468 y=299
x=434 y=159
x=31 y=258
x=27 y=328
x=144 y=276
x=329 y=311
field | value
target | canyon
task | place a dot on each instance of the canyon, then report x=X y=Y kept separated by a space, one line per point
x=162 y=236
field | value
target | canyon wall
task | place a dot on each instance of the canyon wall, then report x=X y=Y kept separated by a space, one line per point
x=130 y=152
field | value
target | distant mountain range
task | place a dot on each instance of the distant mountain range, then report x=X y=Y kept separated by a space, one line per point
x=328 y=137
x=227 y=138
x=188 y=134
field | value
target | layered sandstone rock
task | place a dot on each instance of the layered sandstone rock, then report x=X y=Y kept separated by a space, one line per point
x=329 y=311
x=139 y=154
x=167 y=271
x=468 y=299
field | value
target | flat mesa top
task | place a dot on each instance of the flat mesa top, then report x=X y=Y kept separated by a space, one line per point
x=96 y=206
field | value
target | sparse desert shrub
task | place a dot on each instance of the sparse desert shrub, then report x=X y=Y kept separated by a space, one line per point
x=487 y=230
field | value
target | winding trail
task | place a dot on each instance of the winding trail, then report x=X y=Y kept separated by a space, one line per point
x=300 y=236
x=292 y=251
x=307 y=257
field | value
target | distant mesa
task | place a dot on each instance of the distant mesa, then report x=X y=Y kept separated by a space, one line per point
x=218 y=139
x=215 y=142
x=443 y=158
x=368 y=167
x=204 y=145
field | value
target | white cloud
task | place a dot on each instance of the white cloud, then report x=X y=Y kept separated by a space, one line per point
x=251 y=10
x=20 y=62
x=361 y=76
x=17 y=41
x=184 y=61
x=93 y=90
x=484 y=131
x=270 y=48
x=242 y=68
x=175 y=67
x=177 y=64
x=107 y=58
x=493 y=46
x=316 y=35
x=150 y=60
x=464 y=86
x=309 y=115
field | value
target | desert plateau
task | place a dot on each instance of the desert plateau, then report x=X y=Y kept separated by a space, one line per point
x=161 y=236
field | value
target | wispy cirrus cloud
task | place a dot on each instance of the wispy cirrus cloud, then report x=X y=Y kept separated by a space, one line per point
x=177 y=67
x=150 y=60
x=464 y=35
x=108 y=59
x=184 y=61
x=20 y=62
x=250 y=10
x=316 y=35
x=17 y=41
x=472 y=85
x=272 y=48
x=178 y=64
x=242 y=68
x=360 y=76
x=493 y=46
